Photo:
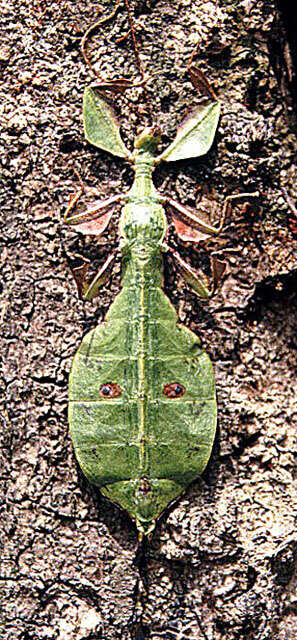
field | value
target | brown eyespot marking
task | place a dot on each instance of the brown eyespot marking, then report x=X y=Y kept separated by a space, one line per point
x=174 y=390
x=110 y=390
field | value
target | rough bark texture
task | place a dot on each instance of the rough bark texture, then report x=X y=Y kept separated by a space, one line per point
x=221 y=563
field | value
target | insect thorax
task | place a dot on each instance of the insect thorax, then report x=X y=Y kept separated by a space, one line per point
x=143 y=223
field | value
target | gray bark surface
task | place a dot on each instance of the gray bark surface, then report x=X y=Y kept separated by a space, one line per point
x=222 y=561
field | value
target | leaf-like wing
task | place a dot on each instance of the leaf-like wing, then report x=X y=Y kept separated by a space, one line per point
x=101 y=125
x=195 y=135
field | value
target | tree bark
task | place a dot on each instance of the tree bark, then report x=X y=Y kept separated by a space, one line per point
x=221 y=563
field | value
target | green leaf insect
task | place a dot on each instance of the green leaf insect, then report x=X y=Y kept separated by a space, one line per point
x=142 y=406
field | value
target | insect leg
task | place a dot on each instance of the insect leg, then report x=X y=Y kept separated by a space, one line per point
x=199 y=80
x=226 y=205
x=191 y=228
x=89 y=290
x=196 y=279
x=196 y=228
x=95 y=218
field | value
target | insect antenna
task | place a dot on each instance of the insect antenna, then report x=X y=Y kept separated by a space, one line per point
x=87 y=35
x=118 y=84
x=133 y=36
x=138 y=61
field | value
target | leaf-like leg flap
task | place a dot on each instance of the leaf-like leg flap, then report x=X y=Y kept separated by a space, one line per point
x=200 y=82
x=92 y=289
x=218 y=268
x=94 y=227
x=89 y=290
x=227 y=205
x=188 y=226
x=101 y=125
x=93 y=220
x=80 y=274
x=195 y=135
x=197 y=281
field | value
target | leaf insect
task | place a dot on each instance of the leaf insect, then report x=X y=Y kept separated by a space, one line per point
x=143 y=424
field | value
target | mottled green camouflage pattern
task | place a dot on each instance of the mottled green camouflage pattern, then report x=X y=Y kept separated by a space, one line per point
x=141 y=448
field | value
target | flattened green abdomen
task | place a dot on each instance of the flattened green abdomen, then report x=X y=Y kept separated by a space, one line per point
x=133 y=436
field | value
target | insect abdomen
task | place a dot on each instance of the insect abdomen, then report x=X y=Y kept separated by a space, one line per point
x=143 y=444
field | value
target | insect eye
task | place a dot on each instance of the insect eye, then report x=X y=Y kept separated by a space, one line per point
x=174 y=390
x=110 y=390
